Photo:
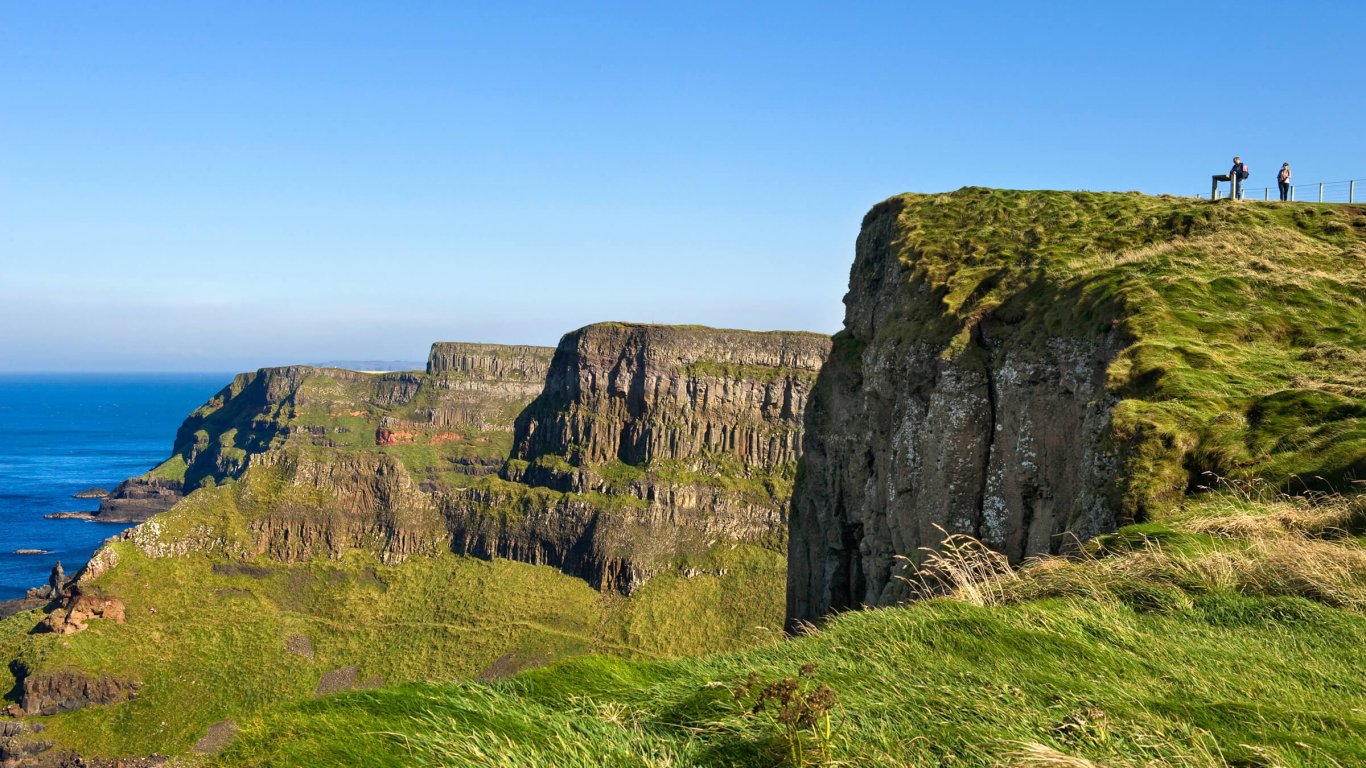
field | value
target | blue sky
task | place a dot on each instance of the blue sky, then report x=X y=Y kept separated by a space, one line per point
x=215 y=186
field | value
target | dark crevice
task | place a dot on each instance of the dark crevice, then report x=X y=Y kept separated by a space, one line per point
x=980 y=339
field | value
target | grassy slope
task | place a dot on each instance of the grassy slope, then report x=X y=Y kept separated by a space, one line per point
x=1098 y=658
x=1189 y=640
x=208 y=638
x=1248 y=321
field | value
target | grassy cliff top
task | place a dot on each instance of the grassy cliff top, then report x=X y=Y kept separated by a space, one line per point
x=1245 y=323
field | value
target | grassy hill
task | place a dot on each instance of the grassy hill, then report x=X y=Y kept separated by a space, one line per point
x=1227 y=635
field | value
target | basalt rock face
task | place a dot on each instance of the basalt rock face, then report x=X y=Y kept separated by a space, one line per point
x=648 y=444
x=299 y=462
x=641 y=393
x=631 y=448
x=1033 y=368
x=499 y=361
x=137 y=499
x=923 y=425
x=48 y=694
x=469 y=390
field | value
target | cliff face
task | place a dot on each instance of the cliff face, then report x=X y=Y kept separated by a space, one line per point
x=648 y=444
x=466 y=403
x=636 y=394
x=635 y=448
x=1033 y=369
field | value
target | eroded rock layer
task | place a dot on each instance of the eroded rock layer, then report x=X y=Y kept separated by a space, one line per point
x=648 y=444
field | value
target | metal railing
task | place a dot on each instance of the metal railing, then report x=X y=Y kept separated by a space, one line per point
x=1350 y=191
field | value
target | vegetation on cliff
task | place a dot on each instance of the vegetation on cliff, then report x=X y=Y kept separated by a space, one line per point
x=1246 y=323
x=1034 y=368
x=1228 y=633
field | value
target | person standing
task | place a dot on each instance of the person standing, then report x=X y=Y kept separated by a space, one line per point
x=1236 y=176
x=1283 y=180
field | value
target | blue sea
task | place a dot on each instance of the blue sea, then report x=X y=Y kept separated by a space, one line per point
x=63 y=433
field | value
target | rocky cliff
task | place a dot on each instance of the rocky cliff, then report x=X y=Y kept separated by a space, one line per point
x=634 y=449
x=1033 y=369
x=647 y=445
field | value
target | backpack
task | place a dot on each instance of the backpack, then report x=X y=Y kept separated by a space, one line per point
x=1243 y=172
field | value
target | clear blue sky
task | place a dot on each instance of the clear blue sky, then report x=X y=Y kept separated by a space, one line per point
x=221 y=186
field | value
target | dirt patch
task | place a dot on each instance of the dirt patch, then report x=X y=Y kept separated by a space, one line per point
x=338 y=681
x=219 y=736
x=510 y=664
x=300 y=645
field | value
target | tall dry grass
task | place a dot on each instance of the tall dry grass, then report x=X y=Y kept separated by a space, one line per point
x=1288 y=548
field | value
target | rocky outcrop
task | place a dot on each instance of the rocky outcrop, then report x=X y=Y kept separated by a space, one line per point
x=345 y=501
x=63 y=691
x=648 y=443
x=20 y=742
x=78 y=609
x=633 y=446
x=137 y=499
x=926 y=424
x=500 y=362
x=642 y=393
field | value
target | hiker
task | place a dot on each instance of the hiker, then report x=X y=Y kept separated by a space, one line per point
x=1283 y=179
x=1236 y=176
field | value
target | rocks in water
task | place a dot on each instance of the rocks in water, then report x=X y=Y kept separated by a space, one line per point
x=132 y=501
x=91 y=493
x=137 y=499
x=18 y=605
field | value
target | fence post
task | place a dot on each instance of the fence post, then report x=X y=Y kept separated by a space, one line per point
x=1352 y=191
x=1267 y=196
x=1320 y=191
x=1292 y=193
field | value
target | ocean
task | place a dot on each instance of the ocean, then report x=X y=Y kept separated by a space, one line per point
x=63 y=433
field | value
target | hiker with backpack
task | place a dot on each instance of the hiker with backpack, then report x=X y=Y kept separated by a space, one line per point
x=1237 y=175
x=1283 y=180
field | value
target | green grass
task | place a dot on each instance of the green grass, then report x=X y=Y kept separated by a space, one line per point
x=207 y=636
x=1244 y=325
x=1139 y=670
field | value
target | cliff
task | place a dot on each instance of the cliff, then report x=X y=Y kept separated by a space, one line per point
x=648 y=445
x=634 y=449
x=1035 y=368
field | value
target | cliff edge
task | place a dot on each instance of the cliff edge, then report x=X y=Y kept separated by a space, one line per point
x=1036 y=368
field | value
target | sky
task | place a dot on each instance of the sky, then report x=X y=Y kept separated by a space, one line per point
x=225 y=186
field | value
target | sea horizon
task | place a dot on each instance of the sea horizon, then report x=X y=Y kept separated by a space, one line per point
x=62 y=432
